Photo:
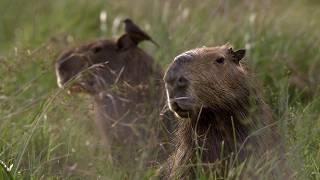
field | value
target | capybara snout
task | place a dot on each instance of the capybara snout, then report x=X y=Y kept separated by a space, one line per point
x=178 y=83
x=69 y=67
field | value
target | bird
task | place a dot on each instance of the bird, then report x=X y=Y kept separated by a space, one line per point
x=136 y=33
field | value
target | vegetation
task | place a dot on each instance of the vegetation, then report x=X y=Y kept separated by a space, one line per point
x=47 y=134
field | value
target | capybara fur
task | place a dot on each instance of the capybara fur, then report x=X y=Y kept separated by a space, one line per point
x=125 y=84
x=223 y=122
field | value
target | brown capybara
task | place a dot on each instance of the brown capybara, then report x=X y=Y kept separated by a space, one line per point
x=125 y=84
x=225 y=129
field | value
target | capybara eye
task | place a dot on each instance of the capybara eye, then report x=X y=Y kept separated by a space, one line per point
x=97 y=49
x=220 y=60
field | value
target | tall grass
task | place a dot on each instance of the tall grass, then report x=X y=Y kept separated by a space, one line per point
x=47 y=134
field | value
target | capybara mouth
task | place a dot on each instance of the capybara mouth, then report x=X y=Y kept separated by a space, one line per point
x=181 y=107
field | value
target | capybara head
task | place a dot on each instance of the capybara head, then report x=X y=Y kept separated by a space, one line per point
x=96 y=66
x=208 y=77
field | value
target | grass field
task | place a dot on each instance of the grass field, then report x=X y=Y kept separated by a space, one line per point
x=47 y=134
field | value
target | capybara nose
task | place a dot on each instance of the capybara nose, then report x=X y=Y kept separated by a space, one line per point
x=175 y=76
x=182 y=82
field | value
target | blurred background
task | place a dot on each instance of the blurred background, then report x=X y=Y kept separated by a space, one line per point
x=47 y=134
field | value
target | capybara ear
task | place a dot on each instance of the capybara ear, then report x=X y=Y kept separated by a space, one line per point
x=125 y=42
x=239 y=54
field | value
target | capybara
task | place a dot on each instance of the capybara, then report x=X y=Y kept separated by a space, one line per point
x=223 y=122
x=125 y=83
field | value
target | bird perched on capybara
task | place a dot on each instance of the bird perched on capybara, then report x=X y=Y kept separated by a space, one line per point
x=125 y=84
x=223 y=122
x=136 y=33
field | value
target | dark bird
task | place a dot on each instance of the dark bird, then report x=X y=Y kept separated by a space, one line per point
x=136 y=33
